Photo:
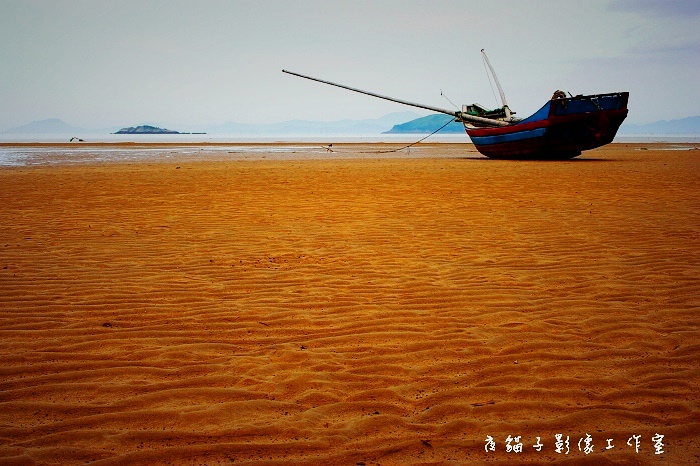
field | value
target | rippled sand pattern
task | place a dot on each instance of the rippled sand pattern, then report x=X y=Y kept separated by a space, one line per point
x=351 y=311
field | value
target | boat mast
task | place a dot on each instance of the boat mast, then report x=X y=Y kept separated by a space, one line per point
x=498 y=85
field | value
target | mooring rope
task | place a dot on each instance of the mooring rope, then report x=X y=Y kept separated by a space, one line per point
x=412 y=144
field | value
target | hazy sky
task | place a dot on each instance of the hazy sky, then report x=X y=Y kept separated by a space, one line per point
x=102 y=63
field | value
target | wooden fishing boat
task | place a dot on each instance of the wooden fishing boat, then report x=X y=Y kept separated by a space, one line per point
x=561 y=129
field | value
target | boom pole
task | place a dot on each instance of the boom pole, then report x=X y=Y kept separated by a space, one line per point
x=461 y=116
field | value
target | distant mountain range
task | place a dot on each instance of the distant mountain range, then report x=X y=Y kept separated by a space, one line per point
x=56 y=126
x=367 y=127
x=50 y=126
x=394 y=123
x=689 y=125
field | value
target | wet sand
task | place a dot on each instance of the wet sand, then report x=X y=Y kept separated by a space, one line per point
x=352 y=309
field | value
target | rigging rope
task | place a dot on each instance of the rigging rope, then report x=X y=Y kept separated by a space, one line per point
x=490 y=83
x=448 y=99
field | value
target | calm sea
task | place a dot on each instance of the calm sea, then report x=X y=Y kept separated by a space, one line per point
x=225 y=147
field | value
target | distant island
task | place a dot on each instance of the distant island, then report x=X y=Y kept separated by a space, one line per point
x=428 y=124
x=146 y=129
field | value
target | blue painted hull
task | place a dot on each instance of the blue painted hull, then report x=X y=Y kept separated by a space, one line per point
x=561 y=129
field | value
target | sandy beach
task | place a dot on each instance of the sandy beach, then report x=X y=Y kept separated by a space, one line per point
x=352 y=308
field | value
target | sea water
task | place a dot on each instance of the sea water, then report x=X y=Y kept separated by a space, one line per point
x=20 y=156
x=222 y=147
x=183 y=147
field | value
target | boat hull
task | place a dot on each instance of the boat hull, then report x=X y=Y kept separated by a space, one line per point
x=560 y=130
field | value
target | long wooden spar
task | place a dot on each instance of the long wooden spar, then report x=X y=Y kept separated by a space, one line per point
x=461 y=116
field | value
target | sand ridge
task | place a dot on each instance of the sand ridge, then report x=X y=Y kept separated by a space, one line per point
x=351 y=310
